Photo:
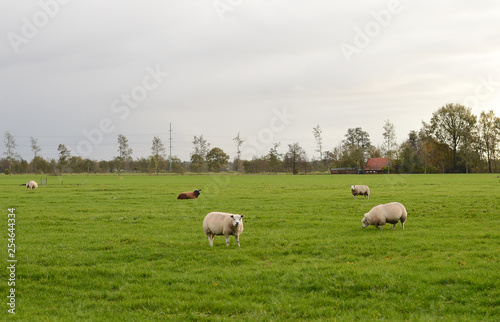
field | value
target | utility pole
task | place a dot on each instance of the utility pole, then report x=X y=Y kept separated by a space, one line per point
x=170 y=146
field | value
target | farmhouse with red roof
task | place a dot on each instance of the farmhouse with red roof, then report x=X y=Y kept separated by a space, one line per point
x=376 y=165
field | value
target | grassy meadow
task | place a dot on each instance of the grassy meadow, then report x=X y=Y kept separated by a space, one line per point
x=123 y=248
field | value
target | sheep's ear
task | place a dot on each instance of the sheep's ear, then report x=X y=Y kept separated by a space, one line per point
x=232 y=216
x=242 y=216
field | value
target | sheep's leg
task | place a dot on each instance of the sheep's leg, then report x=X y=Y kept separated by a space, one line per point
x=379 y=227
x=227 y=240
x=394 y=226
x=403 y=224
x=211 y=240
x=238 y=240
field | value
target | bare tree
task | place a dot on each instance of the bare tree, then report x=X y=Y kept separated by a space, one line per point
x=35 y=147
x=158 y=154
x=319 y=140
x=10 y=145
x=238 y=142
x=199 y=155
x=125 y=152
x=390 y=145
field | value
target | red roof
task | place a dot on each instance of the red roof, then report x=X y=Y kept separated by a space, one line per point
x=376 y=163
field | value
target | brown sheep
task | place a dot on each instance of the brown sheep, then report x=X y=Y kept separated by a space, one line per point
x=189 y=194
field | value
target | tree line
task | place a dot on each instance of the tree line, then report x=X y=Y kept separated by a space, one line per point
x=453 y=141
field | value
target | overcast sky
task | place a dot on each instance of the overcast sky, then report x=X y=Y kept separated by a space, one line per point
x=81 y=72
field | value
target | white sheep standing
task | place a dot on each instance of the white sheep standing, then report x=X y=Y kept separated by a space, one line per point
x=221 y=223
x=386 y=213
x=31 y=185
x=363 y=190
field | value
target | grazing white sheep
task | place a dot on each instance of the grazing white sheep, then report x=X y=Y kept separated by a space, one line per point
x=363 y=190
x=31 y=185
x=386 y=213
x=189 y=194
x=221 y=223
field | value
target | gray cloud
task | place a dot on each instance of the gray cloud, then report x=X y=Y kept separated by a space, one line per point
x=226 y=76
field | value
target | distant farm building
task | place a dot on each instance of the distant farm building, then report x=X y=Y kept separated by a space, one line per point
x=343 y=171
x=376 y=165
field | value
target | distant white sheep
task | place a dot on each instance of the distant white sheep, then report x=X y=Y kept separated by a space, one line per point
x=221 y=223
x=363 y=190
x=391 y=213
x=31 y=185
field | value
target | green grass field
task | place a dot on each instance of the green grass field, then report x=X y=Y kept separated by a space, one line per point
x=123 y=248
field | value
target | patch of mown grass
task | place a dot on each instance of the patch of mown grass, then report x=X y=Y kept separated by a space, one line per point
x=124 y=248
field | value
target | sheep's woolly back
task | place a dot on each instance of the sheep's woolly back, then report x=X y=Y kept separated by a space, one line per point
x=363 y=190
x=392 y=213
x=221 y=223
x=31 y=185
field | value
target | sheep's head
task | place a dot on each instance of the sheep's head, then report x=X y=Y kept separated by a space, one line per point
x=197 y=192
x=365 y=222
x=352 y=187
x=237 y=220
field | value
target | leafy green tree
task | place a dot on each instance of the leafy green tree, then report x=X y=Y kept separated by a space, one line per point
x=177 y=166
x=216 y=159
x=274 y=158
x=451 y=125
x=409 y=154
x=489 y=133
x=356 y=147
x=40 y=165
x=197 y=163
x=64 y=155
x=294 y=157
